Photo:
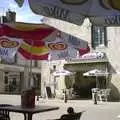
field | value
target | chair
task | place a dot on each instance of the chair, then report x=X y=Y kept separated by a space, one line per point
x=75 y=116
x=103 y=94
x=4 y=114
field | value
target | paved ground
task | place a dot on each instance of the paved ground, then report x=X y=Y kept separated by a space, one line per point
x=101 y=111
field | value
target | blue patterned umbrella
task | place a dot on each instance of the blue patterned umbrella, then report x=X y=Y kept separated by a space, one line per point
x=100 y=12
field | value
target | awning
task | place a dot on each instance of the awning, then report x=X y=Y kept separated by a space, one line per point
x=85 y=66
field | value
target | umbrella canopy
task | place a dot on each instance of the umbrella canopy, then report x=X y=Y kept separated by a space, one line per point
x=96 y=72
x=100 y=12
x=62 y=72
x=38 y=41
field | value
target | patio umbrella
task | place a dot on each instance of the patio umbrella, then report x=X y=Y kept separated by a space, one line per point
x=62 y=72
x=97 y=73
x=100 y=12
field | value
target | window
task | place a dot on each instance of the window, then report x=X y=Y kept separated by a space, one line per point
x=12 y=60
x=99 y=37
x=35 y=63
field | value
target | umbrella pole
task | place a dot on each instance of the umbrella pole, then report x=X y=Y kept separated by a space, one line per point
x=30 y=79
x=30 y=72
x=96 y=82
x=26 y=75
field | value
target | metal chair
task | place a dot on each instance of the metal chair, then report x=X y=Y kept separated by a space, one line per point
x=103 y=94
x=4 y=114
x=75 y=116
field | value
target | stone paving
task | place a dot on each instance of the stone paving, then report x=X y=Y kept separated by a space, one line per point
x=101 y=111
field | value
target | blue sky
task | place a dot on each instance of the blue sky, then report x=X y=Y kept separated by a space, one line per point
x=23 y=14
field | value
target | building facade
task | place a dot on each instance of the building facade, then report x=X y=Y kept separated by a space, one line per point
x=100 y=39
x=14 y=75
x=15 y=72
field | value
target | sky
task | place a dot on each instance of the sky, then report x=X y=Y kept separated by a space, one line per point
x=23 y=14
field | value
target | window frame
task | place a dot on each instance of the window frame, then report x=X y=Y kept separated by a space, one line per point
x=98 y=43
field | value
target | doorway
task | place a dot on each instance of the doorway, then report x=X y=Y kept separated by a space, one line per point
x=83 y=85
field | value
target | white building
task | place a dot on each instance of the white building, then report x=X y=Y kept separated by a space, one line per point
x=14 y=74
x=100 y=39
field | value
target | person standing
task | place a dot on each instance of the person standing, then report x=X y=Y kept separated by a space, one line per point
x=65 y=95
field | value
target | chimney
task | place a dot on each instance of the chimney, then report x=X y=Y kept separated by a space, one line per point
x=11 y=16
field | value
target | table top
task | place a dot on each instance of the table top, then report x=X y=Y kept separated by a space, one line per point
x=36 y=109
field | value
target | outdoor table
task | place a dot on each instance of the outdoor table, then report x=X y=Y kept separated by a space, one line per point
x=28 y=112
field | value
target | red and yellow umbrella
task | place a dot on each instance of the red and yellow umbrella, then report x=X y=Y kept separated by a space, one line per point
x=33 y=36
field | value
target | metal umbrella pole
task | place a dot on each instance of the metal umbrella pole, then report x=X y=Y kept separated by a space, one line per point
x=28 y=71
x=26 y=75
x=30 y=68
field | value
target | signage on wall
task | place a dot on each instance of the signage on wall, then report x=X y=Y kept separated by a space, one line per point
x=9 y=46
x=94 y=55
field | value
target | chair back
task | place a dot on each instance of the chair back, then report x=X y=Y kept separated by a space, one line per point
x=4 y=114
x=75 y=116
x=108 y=90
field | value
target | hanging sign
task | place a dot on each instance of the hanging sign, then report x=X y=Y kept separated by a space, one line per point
x=9 y=46
x=60 y=49
x=94 y=55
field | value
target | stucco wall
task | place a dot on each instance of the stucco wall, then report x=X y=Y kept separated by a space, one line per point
x=113 y=49
x=83 y=32
x=1 y=81
x=113 y=53
x=47 y=79
x=115 y=87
